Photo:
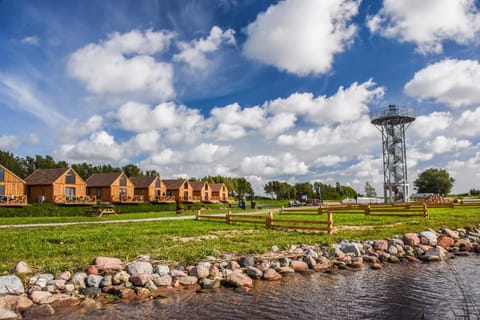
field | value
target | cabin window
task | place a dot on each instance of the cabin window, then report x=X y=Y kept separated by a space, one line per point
x=206 y=186
x=123 y=194
x=69 y=191
x=99 y=193
x=169 y=193
x=206 y=195
x=70 y=178
x=2 y=175
x=185 y=186
x=2 y=190
x=157 y=183
x=123 y=181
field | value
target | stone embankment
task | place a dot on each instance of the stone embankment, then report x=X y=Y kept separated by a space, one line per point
x=43 y=294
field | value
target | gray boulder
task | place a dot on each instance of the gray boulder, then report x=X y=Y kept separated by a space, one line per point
x=428 y=237
x=11 y=285
x=94 y=280
x=199 y=271
x=140 y=267
x=162 y=269
x=248 y=261
x=254 y=273
x=354 y=248
x=79 y=280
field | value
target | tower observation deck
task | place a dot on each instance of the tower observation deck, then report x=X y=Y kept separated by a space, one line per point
x=392 y=122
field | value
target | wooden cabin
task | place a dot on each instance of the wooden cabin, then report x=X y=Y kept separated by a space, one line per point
x=201 y=191
x=12 y=189
x=152 y=189
x=180 y=189
x=113 y=187
x=219 y=192
x=59 y=186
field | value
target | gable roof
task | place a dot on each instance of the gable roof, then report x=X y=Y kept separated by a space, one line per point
x=216 y=187
x=143 y=182
x=174 y=184
x=197 y=185
x=103 y=179
x=45 y=176
x=10 y=172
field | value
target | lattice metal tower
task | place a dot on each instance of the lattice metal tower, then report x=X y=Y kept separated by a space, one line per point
x=392 y=122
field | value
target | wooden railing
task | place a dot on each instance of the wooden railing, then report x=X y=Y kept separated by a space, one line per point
x=396 y=209
x=13 y=201
x=270 y=222
x=164 y=199
x=127 y=199
x=74 y=200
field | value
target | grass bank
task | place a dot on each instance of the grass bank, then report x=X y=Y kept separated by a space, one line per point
x=54 y=249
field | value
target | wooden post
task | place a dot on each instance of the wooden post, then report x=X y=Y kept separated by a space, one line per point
x=320 y=210
x=228 y=217
x=281 y=210
x=367 y=210
x=198 y=215
x=330 y=223
x=269 y=219
x=425 y=210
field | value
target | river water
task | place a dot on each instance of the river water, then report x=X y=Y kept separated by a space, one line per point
x=445 y=290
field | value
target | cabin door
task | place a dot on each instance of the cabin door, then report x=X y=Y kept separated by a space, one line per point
x=185 y=195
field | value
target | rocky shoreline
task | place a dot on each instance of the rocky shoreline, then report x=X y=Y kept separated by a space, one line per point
x=26 y=294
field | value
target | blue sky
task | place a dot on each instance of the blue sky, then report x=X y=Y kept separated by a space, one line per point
x=259 y=89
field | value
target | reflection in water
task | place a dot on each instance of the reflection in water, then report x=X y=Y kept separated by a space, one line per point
x=449 y=290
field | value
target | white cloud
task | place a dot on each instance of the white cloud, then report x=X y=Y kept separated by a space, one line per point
x=164 y=157
x=415 y=155
x=100 y=146
x=232 y=122
x=442 y=144
x=8 y=142
x=265 y=165
x=427 y=23
x=143 y=142
x=124 y=64
x=194 y=53
x=425 y=126
x=20 y=95
x=81 y=128
x=208 y=153
x=367 y=168
x=302 y=37
x=31 y=40
x=329 y=160
x=450 y=81
x=468 y=123
x=344 y=106
x=279 y=123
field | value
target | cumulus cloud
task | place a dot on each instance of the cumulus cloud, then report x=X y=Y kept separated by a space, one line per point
x=233 y=121
x=347 y=104
x=450 y=81
x=194 y=53
x=425 y=125
x=442 y=144
x=208 y=153
x=125 y=64
x=301 y=37
x=329 y=160
x=468 y=123
x=427 y=23
x=265 y=165
x=367 y=168
x=100 y=146
x=9 y=142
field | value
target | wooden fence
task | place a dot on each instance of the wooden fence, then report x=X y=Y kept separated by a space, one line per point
x=270 y=222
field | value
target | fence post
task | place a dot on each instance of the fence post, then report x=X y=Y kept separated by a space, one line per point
x=269 y=219
x=425 y=210
x=367 y=210
x=281 y=210
x=330 y=223
x=228 y=217
x=198 y=215
x=320 y=210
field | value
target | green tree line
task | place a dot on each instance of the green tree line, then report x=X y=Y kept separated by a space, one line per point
x=285 y=191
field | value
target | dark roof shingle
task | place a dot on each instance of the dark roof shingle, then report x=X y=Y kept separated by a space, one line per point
x=102 y=179
x=173 y=184
x=45 y=176
x=143 y=182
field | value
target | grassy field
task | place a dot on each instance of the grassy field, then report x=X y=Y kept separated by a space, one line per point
x=54 y=249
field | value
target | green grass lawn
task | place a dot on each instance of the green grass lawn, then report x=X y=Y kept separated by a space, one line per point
x=72 y=248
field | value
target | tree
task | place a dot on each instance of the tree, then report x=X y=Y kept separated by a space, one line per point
x=369 y=190
x=434 y=181
x=304 y=189
x=132 y=170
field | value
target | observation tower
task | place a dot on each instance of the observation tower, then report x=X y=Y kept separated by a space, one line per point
x=392 y=122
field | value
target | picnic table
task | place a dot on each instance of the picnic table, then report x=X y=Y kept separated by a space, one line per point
x=102 y=210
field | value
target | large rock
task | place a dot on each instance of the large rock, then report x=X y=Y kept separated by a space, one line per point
x=271 y=275
x=434 y=255
x=40 y=297
x=94 y=280
x=452 y=234
x=40 y=311
x=199 y=271
x=445 y=241
x=140 y=279
x=63 y=301
x=428 y=237
x=254 y=273
x=162 y=269
x=299 y=265
x=187 y=281
x=79 y=280
x=120 y=277
x=464 y=245
x=411 y=239
x=163 y=281
x=106 y=263
x=239 y=279
x=140 y=267
x=248 y=261
x=206 y=283
x=15 y=303
x=22 y=268
x=381 y=245
x=11 y=285
x=310 y=261
x=120 y=291
x=6 y=314
x=354 y=248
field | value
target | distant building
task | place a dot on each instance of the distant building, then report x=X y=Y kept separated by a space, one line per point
x=12 y=189
x=113 y=187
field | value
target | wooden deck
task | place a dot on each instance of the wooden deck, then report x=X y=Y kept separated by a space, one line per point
x=13 y=201
x=75 y=200
x=128 y=199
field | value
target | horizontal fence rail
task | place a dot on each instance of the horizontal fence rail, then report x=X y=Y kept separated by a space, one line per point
x=270 y=222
